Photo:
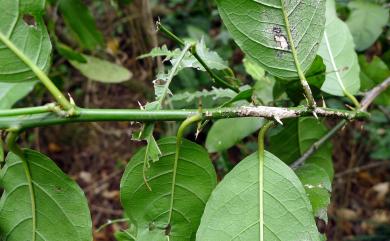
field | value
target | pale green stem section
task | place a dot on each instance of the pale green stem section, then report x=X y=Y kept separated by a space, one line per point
x=301 y=74
x=179 y=138
x=60 y=98
x=261 y=138
x=111 y=222
x=338 y=77
x=14 y=148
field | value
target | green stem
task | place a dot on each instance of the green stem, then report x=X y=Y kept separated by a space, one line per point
x=60 y=98
x=180 y=132
x=301 y=74
x=110 y=222
x=261 y=154
x=14 y=148
x=213 y=75
x=28 y=110
x=26 y=121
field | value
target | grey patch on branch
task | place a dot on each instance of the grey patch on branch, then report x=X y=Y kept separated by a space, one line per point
x=268 y=112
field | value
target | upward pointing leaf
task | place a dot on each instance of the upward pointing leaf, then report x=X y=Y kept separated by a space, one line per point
x=61 y=210
x=232 y=212
x=22 y=24
x=149 y=210
x=366 y=22
x=261 y=28
x=337 y=51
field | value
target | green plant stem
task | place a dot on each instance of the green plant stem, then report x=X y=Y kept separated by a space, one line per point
x=14 y=148
x=261 y=153
x=301 y=74
x=213 y=75
x=190 y=120
x=28 y=110
x=60 y=98
x=26 y=121
x=111 y=222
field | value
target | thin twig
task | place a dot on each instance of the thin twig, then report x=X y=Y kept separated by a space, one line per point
x=362 y=168
x=365 y=103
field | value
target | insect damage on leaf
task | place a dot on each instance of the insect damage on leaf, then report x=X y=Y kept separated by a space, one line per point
x=280 y=39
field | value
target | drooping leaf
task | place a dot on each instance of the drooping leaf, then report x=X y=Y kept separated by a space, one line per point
x=10 y=93
x=80 y=21
x=318 y=187
x=149 y=210
x=61 y=209
x=232 y=212
x=228 y=132
x=70 y=54
x=261 y=30
x=372 y=74
x=338 y=52
x=366 y=22
x=22 y=24
x=296 y=137
x=102 y=71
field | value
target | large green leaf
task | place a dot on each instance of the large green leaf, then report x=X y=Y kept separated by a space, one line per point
x=232 y=213
x=149 y=210
x=61 y=210
x=296 y=138
x=21 y=22
x=10 y=93
x=366 y=22
x=338 y=52
x=228 y=132
x=102 y=71
x=261 y=27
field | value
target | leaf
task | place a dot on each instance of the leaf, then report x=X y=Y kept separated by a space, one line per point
x=10 y=93
x=23 y=25
x=62 y=212
x=296 y=137
x=340 y=58
x=366 y=22
x=209 y=98
x=228 y=132
x=232 y=212
x=318 y=187
x=102 y=70
x=372 y=74
x=70 y=54
x=148 y=210
x=261 y=29
x=161 y=52
x=80 y=21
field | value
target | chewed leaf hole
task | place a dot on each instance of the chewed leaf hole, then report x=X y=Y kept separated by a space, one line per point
x=29 y=20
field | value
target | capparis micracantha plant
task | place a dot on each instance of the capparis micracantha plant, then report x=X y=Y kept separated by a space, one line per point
x=169 y=190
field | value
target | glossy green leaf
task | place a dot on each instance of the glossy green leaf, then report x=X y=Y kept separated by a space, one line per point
x=318 y=187
x=260 y=28
x=337 y=49
x=149 y=210
x=232 y=212
x=10 y=93
x=102 y=71
x=81 y=22
x=366 y=22
x=61 y=209
x=22 y=23
x=296 y=137
x=228 y=132
x=372 y=74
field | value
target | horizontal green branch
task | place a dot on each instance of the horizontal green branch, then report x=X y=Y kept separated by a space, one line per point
x=24 y=118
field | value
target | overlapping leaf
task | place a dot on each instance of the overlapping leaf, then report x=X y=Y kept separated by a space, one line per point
x=10 y=93
x=261 y=29
x=22 y=23
x=149 y=210
x=294 y=139
x=61 y=210
x=337 y=49
x=232 y=212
